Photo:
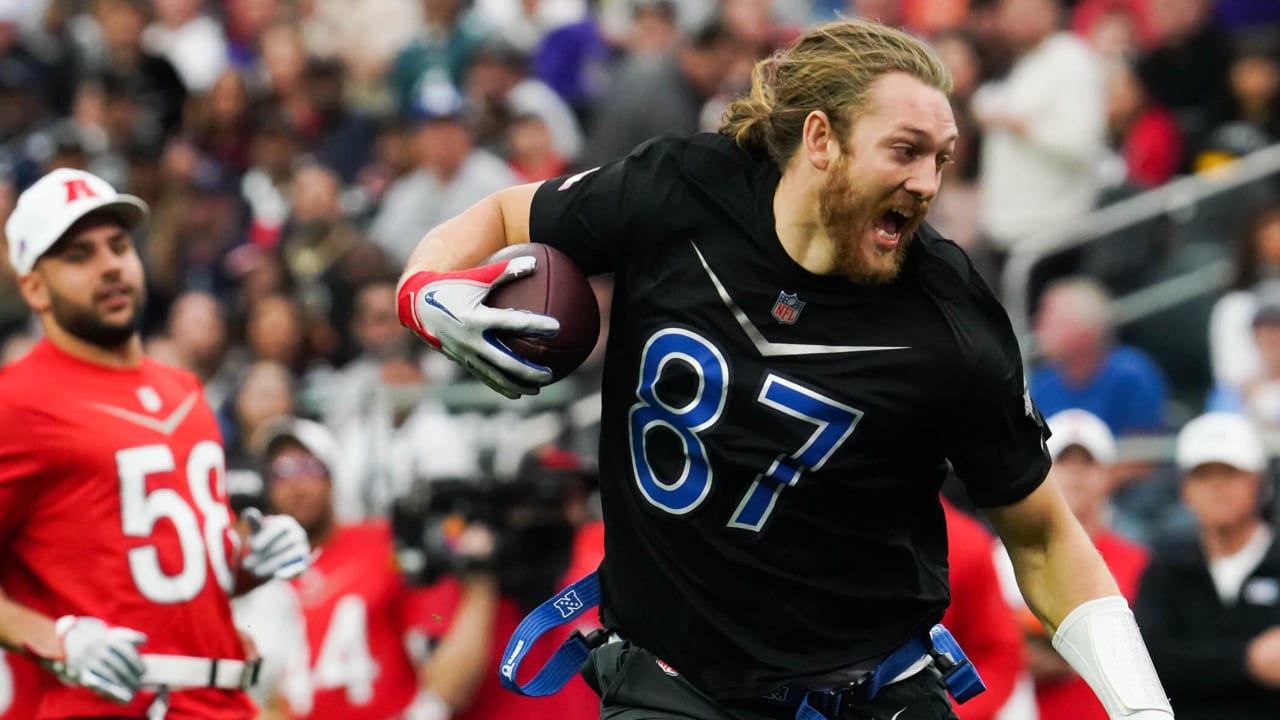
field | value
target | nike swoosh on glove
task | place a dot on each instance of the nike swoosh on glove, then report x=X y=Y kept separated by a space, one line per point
x=101 y=658
x=278 y=546
x=448 y=311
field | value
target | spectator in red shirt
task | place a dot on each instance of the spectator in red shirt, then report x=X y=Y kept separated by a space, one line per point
x=1145 y=134
x=562 y=476
x=1115 y=28
x=978 y=616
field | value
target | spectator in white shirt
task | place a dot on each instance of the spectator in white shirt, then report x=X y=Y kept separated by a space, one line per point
x=191 y=40
x=1044 y=127
x=498 y=85
x=399 y=435
x=1236 y=362
x=523 y=24
x=452 y=174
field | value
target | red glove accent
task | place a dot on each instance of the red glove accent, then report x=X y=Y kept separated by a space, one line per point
x=412 y=287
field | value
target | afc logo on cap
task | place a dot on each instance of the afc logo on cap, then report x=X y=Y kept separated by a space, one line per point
x=77 y=188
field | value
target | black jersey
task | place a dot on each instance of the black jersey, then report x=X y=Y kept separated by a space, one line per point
x=773 y=441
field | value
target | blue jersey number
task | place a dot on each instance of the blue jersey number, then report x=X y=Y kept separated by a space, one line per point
x=833 y=423
x=701 y=412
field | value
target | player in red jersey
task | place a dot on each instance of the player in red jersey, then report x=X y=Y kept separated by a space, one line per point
x=979 y=615
x=19 y=687
x=117 y=550
x=358 y=611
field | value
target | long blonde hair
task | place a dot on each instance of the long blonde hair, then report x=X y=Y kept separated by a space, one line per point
x=830 y=68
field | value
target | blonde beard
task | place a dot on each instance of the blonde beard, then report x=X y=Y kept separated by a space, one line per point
x=846 y=216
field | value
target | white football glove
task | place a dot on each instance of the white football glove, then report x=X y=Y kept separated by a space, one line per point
x=98 y=657
x=278 y=546
x=427 y=705
x=448 y=311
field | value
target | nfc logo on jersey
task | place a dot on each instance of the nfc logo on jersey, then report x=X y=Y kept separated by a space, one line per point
x=787 y=308
x=779 y=695
x=568 y=604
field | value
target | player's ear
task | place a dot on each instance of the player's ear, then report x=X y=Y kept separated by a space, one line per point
x=818 y=142
x=35 y=291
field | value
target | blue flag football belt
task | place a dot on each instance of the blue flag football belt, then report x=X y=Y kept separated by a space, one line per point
x=570 y=604
x=567 y=606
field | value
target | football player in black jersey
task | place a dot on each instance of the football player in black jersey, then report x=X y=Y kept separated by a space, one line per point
x=794 y=359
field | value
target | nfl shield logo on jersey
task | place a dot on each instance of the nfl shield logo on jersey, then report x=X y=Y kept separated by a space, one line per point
x=787 y=309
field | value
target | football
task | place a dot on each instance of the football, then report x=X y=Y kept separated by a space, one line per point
x=556 y=288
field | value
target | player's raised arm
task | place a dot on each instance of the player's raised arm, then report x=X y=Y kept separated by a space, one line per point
x=1067 y=585
x=461 y=242
x=442 y=292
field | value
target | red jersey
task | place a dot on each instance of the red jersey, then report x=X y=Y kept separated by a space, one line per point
x=576 y=700
x=978 y=616
x=113 y=505
x=354 y=604
x=1072 y=699
x=19 y=687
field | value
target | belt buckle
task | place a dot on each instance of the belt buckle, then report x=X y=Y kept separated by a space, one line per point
x=249 y=674
x=831 y=701
x=159 y=707
x=595 y=638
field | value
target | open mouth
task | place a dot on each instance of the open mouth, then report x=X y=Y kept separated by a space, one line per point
x=890 y=224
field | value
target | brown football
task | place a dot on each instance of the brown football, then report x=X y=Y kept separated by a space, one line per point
x=557 y=288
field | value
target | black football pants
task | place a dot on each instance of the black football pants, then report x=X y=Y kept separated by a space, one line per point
x=632 y=686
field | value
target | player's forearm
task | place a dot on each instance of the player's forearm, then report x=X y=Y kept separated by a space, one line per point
x=1057 y=566
x=458 y=665
x=24 y=629
x=1066 y=584
x=461 y=242
x=1062 y=574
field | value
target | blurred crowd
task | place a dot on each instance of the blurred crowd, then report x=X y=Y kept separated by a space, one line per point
x=294 y=151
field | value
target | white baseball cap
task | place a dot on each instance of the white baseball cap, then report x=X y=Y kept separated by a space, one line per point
x=1222 y=438
x=47 y=209
x=311 y=435
x=1080 y=427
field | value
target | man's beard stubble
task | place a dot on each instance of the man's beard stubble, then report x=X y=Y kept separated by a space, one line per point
x=85 y=324
x=847 y=214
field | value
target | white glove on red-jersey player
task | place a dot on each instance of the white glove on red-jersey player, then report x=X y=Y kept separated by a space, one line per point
x=448 y=311
x=278 y=546
x=101 y=658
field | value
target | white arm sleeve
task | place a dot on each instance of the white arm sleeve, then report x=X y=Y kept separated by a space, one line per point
x=1100 y=640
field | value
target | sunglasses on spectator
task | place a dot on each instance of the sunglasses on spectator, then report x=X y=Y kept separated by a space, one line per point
x=286 y=468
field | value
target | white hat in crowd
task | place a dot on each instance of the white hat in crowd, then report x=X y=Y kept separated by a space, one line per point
x=1080 y=427
x=311 y=435
x=1220 y=437
x=47 y=209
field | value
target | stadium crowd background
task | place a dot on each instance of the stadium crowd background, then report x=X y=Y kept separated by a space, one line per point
x=294 y=151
